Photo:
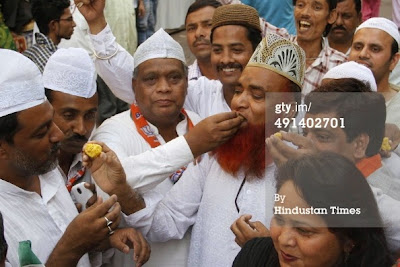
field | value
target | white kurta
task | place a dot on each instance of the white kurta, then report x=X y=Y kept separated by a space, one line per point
x=40 y=219
x=205 y=97
x=205 y=197
x=148 y=171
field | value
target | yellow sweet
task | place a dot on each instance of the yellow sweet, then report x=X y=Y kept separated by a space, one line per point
x=93 y=150
x=279 y=135
x=385 y=144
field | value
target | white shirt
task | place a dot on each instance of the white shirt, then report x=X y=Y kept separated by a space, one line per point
x=205 y=198
x=40 y=219
x=205 y=97
x=145 y=168
x=148 y=171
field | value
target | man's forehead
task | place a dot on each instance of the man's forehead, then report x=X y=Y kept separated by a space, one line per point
x=202 y=14
x=161 y=64
x=372 y=35
x=235 y=34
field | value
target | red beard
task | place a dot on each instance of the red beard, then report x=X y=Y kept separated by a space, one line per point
x=246 y=150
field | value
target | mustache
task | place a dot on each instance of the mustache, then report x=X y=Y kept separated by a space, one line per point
x=76 y=138
x=230 y=66
x=201 y=40
x=54 y=149
x=338 y=28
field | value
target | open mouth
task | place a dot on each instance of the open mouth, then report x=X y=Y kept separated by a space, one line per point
x=304 y=25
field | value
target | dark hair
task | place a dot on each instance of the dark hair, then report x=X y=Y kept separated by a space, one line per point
x=327 y=179
x=357 y=4
x=3 y=243
x=47 y=92
x=199 y=4
x=395 y=48
x=332 y=5
x=44 y=11
x=363 y=111
x=253 y=35
x=8 y=127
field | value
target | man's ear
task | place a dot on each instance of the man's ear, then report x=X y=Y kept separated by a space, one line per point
x=332 y=16
x=360 y=144
x=53 y=25
x=394 y=61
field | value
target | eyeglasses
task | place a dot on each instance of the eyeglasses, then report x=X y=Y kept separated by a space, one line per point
x=237 y=195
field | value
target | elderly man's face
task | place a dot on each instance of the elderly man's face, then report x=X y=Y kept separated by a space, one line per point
x=346 y=23
x=372 y=48
x=198 y=28
x=231 y=50
x=76 y=117
x=257 y=93
x=160 y=89
x=36 y=143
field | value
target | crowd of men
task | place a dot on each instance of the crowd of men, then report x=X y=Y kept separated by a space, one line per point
x=186 y=176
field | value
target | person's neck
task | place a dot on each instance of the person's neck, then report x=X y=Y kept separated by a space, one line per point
x=27 y=183
x=207 y=69
x=311 y=48
x=385 y=88
x=54 y=38
x=65 y=160
x=341 y=47
x=229 y=91
x=167 y=128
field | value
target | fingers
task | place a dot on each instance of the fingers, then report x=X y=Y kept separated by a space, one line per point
x=114 y=216
x=297 y=139
x=145 y=251
x=118 y=241
x=223 y=116
x=276 y=155
x=106 y=205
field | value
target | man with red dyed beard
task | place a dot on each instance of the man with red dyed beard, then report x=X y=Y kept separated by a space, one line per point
x=235 y=180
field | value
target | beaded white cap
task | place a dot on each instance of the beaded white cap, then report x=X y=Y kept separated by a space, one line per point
x=281 y=56
x=71 y=71
x=21 y=85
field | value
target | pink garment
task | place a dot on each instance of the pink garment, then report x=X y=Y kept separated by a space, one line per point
x=396 y=12
x=370 y=8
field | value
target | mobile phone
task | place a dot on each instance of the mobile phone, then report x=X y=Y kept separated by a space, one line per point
x=81 y=194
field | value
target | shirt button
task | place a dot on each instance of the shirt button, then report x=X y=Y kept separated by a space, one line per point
x=248 y=192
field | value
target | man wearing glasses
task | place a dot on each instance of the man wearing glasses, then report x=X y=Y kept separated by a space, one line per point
x=55 y=22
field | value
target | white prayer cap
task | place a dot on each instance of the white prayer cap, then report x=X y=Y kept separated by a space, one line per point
x=281 y=56
x=70 y=71
x=21 y=85
x=159 y=45
x=354 y=70
x=383 y=24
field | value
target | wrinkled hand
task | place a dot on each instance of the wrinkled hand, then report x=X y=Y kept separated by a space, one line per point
x=212 y=132
x=393 y=133
x=281 y=152
x=89 y=228
x=106 y=169
x=93 y=12
x=246 y=230
x=129 y=238
x=141 y=9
